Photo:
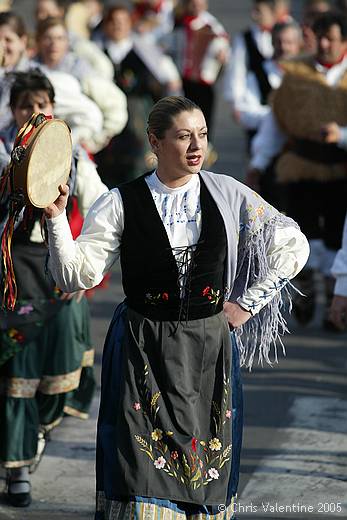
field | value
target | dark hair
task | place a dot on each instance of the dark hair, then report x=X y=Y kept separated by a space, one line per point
x=63 y=5
x=163 y=112
x=114 y=9
x=14 y=21
x=270 y=3
x=325 y=21
x=48 y=23
x=29 y=81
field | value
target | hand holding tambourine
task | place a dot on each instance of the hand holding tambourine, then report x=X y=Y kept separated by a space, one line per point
x=57 y=207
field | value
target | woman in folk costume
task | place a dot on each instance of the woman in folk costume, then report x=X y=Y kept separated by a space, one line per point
x=201 y=254
x=199 y=46
x=46 y=355
x=145 y=75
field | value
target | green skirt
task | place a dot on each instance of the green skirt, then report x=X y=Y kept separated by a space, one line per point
x=48 y=372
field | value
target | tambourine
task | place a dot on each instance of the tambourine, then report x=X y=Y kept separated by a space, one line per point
x=41 y=160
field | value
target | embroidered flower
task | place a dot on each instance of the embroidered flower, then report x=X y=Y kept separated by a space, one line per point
x=212 y=295
x=260 y=211
x=215 y=444
x=228 y=414
x=213 y=473
x=16 y=335
x=25 y=309
x=174 y=455
x=12 y=332
x=206 y=291
x=160 y=463
x=156 y=298
x=137 y=407
x=194 y=443
x=157 y=435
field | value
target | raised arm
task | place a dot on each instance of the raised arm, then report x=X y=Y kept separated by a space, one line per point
x=81 y=264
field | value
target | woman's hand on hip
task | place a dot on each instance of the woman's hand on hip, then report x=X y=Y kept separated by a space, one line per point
x=57 y=207
x=236 y=316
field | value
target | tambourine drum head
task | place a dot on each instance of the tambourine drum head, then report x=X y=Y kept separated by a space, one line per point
x=49 y=163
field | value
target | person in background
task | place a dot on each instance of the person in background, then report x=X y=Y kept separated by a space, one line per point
x=53 y=54
x=145 y=74
x=46 y=355
x=249 y=51
x=78 y=110
x=199 y=45
x=309 y=104
x=283 y=11
x=253 y=105
x=312 y=10
x=197 y=301
x=287 y=42
x=79 y=44
x=95 y=13
x=153 y=19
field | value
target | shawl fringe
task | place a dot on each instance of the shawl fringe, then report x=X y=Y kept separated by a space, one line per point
x=262 y=334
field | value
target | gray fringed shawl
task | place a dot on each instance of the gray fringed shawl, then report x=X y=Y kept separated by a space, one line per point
x=250 y=223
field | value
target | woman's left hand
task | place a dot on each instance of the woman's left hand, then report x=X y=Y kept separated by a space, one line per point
x=236 y=316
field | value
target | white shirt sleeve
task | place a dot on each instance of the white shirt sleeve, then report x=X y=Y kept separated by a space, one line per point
x=89 y=186
x=82 y=264
x=339 y=268
x=236 y=71
x=241 y=88
x=112 y=104
x=267 y=143
x=287 y=254
x=250 y=110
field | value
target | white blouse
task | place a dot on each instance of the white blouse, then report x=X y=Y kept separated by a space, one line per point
x=339 y=268
x=81 y=264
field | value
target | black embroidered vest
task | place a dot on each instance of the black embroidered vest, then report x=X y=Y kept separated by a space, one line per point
x=134 y=77
x=150 y=273
x=256 y=65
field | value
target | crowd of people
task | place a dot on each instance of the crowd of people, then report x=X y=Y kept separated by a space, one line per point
x=102 y=69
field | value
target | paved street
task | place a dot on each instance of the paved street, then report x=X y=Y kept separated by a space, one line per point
x=295 y=445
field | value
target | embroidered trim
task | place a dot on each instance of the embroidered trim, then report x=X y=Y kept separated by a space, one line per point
x=277 y=286
x=17 y=463
x=20 y=387
x=51 y=385
x=88 y=358
x=46 y=428
x=75 y=413
x=115 y=510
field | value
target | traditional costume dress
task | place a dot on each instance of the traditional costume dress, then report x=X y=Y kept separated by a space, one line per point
x=250 y=72
x=314 y=173
x=170 y=422
x=142 y=72
x=195 y=44
x=46 y=353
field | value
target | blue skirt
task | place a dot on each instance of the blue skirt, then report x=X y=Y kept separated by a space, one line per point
x=111 y=506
